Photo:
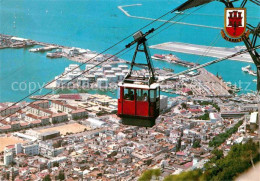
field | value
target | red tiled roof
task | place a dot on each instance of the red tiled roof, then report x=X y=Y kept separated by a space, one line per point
x=195 y=110
x=32 y=116
x=57 y=102
x=78 y=111
x=189 y=164
x=24 y=124
x=41 y=101
x=44 y=117
x=6 y=127
x=181 y=153
x=70 y=96
x=36 y=122
x=59 y=114
x=15 y=122
x=185 y=90
x=10 y=146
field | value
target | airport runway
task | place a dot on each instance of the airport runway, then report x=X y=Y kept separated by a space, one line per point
x=217 y=52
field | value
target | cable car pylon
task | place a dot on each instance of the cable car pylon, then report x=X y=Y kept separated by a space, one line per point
x=142 y=47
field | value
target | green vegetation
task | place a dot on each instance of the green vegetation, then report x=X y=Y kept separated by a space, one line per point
x=221 y=138
x=56 y=164
x=205 y=116
x=205 y=103
x=47 y=178
x=64 y=91
x=184 y=105
x=80 y=117
x=196 y=144
x=239 y=159
x=190 y=93
x=193 y=175
x=61 y=175
x=148 y=174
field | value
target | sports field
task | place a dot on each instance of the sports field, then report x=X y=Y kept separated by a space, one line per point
x=5 y=141
x=67 y=128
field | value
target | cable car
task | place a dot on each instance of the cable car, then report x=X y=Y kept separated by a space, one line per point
x=139 y=97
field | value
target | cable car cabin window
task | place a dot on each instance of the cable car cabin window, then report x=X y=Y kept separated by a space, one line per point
x=158 y=92
x=152 y=96
x=142 y=95
x=129 y=94
x=118 y=93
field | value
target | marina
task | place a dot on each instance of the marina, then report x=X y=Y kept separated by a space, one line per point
x=217 y=52
x=72 y=53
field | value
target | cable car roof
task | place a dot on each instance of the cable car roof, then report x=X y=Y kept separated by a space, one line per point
x=139 y=86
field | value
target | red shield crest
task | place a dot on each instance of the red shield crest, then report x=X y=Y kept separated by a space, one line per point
x=235 y=22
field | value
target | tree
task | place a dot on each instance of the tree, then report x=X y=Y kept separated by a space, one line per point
x=221 y=138
x=193 y=175
x=238 y=160
x=47 y=178
x=196 y=144
x=61 y=175
x=148 y=174
x=56 y=164
x=205 y=116
x=184 y=105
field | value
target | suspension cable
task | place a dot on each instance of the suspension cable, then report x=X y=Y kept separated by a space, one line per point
x=210 y=63
x=83 y=64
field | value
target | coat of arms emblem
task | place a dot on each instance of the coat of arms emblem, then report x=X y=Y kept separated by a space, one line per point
x=234 y=24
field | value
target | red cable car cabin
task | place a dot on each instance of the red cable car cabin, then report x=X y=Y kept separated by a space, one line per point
x=138 y=104
x=139 y=96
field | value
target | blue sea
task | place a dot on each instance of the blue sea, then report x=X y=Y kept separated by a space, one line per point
x=98 y=24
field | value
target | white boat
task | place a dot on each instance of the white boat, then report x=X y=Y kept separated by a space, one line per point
x=254 y=80
x=179 y=12
x=252 y=73
x=246 y=68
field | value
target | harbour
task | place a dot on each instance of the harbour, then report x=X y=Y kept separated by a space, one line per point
x=72 y=53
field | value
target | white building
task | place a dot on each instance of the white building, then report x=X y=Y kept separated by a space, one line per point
x=107 y=67
x=95 y=123
x=109 y=72
x=111 y=78
x=56 y=160
x=89 y=66
x=74 y=74
x=98 y=75
x=62 y=81
x=116 y=69
x=125 y=71
x=214 y=117
x=31 y=149
x=123 y=67
x=102 y=83
x=120 y=76
x=83 y=82
x=163 y=102
x=8 y=158
x=91 y=78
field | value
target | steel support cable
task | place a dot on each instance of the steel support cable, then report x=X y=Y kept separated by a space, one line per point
x=211 y=62
x=208 y=49
x=85 y=70
x=83 y=63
